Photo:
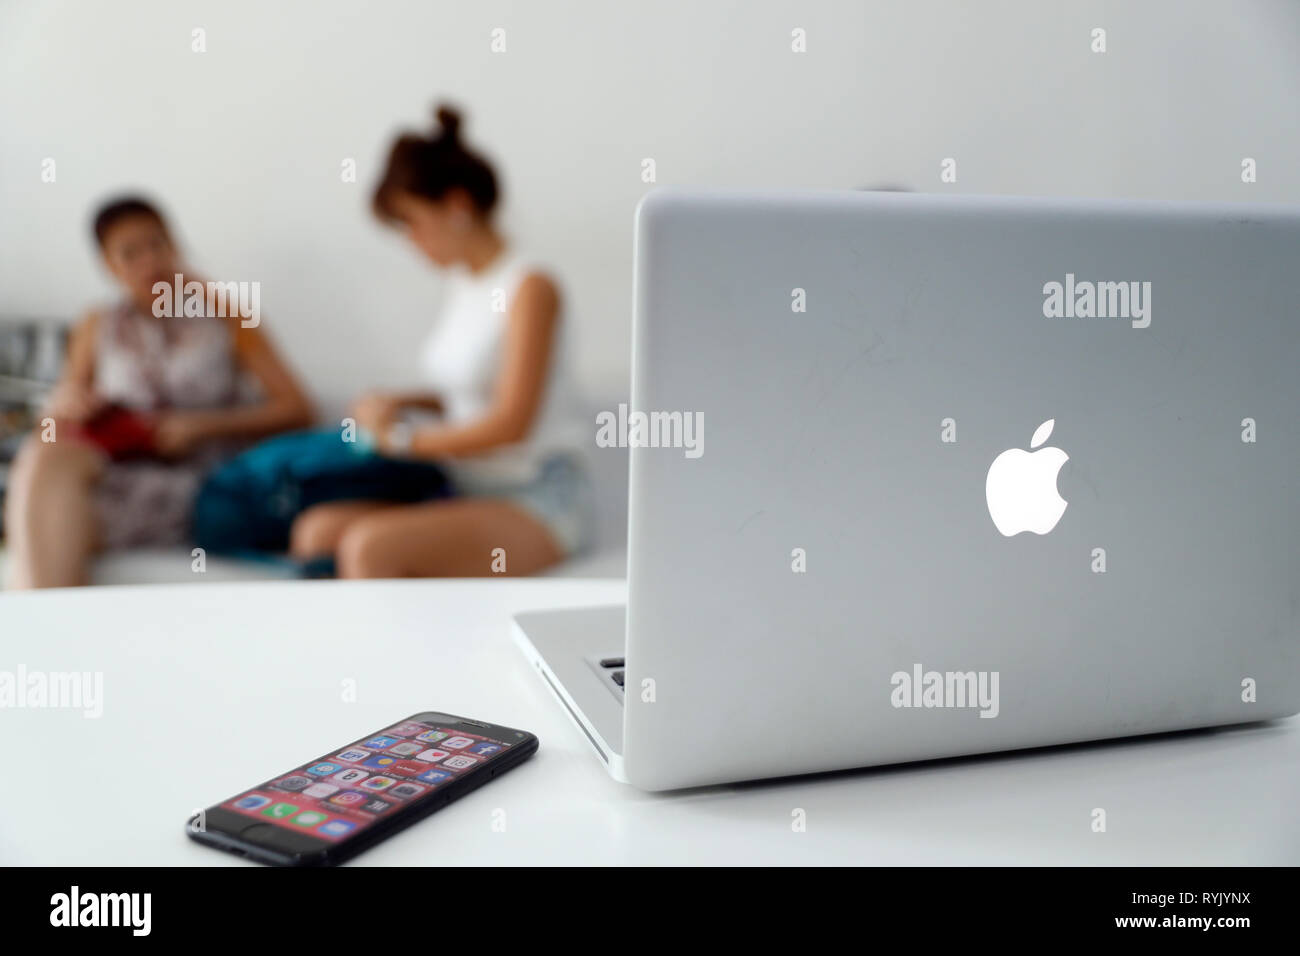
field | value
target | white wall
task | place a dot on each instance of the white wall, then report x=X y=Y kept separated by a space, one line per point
x=243 y=143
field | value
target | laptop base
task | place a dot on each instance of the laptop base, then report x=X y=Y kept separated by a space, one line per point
x=572 y=649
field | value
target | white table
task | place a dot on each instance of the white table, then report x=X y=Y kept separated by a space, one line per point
x=211 y=688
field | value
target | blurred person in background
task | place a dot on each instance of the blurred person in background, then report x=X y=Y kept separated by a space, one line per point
x=146 y=403
x=496 y=412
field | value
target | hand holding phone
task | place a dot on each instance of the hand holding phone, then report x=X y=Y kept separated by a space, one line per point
x=330 y=809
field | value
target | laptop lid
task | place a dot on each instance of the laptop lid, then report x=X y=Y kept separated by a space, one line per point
x=833 y=571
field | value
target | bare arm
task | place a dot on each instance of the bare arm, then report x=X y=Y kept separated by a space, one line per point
x=73 y=396
x=521 y=381
x=80 y=366
x=376 y=411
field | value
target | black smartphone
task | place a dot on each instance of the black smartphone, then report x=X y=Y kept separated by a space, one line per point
x=335 y=806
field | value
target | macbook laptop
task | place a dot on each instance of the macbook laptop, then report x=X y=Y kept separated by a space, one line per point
x=916 y=476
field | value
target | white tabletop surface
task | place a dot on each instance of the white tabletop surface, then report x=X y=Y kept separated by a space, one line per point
x=212 y=688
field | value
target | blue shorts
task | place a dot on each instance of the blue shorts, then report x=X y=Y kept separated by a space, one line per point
x=559 y=496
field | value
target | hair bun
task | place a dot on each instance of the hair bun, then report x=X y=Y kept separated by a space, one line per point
x=448 y=122
x=429 y=165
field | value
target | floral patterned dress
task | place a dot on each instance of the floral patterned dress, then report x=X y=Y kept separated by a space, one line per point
x=151 y=365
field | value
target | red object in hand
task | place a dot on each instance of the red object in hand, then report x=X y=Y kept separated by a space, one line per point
x=121 y=433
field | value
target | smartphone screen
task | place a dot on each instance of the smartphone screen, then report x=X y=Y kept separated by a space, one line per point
x=339 y=803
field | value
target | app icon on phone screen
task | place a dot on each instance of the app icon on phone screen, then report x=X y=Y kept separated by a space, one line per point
x=407 y=790
x=408 y=729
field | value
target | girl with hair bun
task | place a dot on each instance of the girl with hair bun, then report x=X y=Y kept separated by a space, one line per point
x=496 y=412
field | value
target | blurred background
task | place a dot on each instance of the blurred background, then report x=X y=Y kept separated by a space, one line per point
x=244 y=143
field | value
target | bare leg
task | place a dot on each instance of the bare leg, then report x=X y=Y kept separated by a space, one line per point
x=463 y=537
x=316 y=532
x=50 y=519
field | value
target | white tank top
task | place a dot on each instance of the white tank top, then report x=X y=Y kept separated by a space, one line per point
x=461 y=359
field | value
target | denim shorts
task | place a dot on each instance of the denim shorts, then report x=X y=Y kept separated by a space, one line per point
x=559 y=496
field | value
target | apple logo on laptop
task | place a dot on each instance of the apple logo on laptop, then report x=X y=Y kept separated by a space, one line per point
x=1021 y=487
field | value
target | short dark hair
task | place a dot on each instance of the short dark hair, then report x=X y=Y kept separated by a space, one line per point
x=433 y=165
x=115 y=210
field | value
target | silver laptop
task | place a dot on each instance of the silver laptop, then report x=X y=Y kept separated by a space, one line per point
x=916 y=476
